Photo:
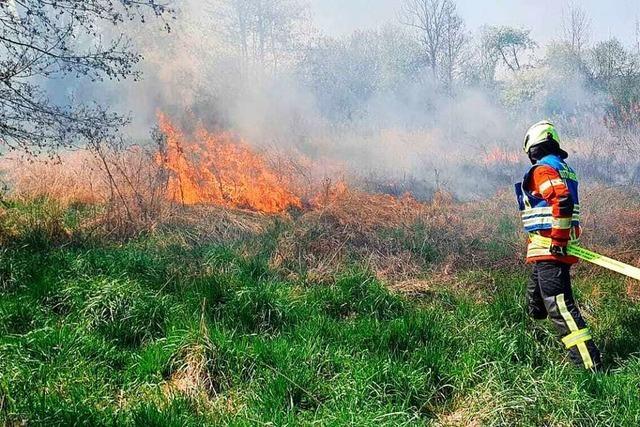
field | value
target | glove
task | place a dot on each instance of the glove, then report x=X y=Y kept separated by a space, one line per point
x=559 y=250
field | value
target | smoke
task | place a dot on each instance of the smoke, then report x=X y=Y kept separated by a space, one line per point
x=361 y=99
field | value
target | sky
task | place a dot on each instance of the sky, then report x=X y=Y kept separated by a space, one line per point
x=609 y=18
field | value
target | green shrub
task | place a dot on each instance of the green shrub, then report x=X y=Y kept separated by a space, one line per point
x=124 y=311
x=260 y=307
x=358 y=293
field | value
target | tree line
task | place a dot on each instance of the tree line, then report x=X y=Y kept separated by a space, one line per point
x=427 y=45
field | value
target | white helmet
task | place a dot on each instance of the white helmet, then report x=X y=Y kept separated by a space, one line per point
x=540 y=133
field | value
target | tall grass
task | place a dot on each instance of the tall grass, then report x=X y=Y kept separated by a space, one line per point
x=158 y=331
x=101 y=337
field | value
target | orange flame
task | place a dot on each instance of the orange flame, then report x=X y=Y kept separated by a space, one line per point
x=331 y=192
x=218 y=168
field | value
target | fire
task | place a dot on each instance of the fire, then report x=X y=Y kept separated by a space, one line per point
x=330 y=193
x=218 y=168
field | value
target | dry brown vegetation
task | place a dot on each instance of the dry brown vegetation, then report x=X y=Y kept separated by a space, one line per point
x=70 y=178
x=399 y=238
x=125 y=183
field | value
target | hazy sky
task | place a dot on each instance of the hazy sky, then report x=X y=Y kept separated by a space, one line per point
x=609 y=17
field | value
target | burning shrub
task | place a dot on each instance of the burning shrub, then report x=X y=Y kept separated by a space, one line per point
x=222 y=170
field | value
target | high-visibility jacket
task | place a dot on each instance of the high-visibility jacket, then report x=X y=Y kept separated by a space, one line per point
x=550 y=206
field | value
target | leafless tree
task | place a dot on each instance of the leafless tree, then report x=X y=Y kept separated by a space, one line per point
x=62 y=39
x=263 y=31
x=576 y=27
x=508 y=44
x=487 y=59
x=441 y=32
x=453 y=47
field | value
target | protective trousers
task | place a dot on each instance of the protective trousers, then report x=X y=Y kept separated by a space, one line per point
x=549 y=294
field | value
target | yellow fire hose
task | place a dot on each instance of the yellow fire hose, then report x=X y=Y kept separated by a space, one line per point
x=592 y=257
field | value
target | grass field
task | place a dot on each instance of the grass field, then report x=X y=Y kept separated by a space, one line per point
x=166 y=331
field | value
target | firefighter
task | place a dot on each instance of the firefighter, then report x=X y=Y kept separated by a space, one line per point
x=550 y=206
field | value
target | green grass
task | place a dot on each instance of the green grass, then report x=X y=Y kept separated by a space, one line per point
x=98 y=334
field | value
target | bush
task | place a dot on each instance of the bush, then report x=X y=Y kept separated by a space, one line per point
x=124 y=311
x=262 y=307
x=358 y=294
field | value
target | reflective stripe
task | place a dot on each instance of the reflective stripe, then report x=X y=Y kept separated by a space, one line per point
x=534 y=241
x=586 y=357
x=527 y=213
x=532 y=217
x=562 y=223
x=551 y=183
x=571 y=323
x=574 y=217
x=564 y=312
x=536 y=252
x=545 y=186
x=576 y=208
x=550 y=222
x=538 y=221
x=537 y=211
x=577 y=337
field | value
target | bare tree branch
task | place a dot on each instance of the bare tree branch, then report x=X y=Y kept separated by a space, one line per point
x=576 y=27
x=45 y=39
x=441 y=32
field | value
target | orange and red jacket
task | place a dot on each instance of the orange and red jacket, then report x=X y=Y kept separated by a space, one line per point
x=545 y=182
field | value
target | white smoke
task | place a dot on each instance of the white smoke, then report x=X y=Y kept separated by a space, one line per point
x=378 y=112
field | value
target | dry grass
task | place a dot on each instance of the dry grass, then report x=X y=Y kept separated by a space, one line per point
x=125 y=182
x=398 y=238
x=480 y=286
x=348 y=222
x=71 y=178
x=612 y=220
x=473 y=410
x=197 y=224
x=191 y=376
